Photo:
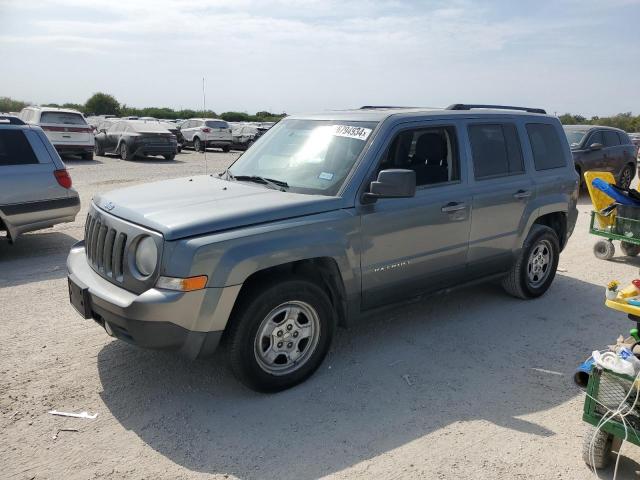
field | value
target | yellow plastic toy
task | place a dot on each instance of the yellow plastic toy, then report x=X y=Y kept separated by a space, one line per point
x=600 y=199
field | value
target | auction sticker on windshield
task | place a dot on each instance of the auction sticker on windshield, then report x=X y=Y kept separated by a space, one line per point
x=348 y=131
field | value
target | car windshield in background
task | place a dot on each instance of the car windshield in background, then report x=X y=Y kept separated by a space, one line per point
x=574 y=137
x=64 y=118
x=311 y=156
x=214 y=124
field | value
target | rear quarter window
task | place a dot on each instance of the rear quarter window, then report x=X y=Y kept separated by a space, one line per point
x=546 y=146
x=15 y=149
x=611 y=138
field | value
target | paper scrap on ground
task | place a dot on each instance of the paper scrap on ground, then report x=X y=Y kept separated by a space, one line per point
x=75 y=415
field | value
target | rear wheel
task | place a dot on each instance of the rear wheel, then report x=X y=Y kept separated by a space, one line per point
x=604 y=249
x=625 y=177
x=170 y=157
x=535 y=268
x=87 y=156
x=124 y=151
x=197 y=145
x=280 y=334
x=226 y=148
x=630 y=249
x=597 y=447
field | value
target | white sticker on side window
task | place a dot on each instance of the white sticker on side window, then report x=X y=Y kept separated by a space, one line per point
x=360 y=133
x=325 y=176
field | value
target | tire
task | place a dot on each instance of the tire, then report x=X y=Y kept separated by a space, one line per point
x=226 y=148
x=179 y=148
x=87 y=156
x=124 y=151
x=197 y=145
x=535 y=268
x=604 y=250
x=263 y=365
x=603 y=444
x=630 y=249
x=626 y=176
x=98 y=149
x=170 y=157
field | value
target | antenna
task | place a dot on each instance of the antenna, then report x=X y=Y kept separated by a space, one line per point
x=204 y=110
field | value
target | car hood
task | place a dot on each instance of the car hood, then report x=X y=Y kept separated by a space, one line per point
x=204 y=204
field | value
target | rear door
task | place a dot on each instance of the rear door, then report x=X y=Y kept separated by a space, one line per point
x=26 y=175
x=502 y=192
x=65 y=128
x=613 y=152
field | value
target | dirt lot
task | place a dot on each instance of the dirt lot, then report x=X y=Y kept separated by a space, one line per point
x=473 y=384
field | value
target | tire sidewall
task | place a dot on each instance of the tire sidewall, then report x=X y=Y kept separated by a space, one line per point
x=124 y=151
x=249 y=319
x=536 y=236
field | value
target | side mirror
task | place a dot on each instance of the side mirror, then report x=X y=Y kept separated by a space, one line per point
x=394 y=183
x=595 y=146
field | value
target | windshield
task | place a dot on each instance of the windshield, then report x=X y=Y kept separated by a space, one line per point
x=574 y=137
x=216 y=124
x=311 y=156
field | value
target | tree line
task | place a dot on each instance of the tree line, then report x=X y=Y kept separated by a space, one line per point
x=105 y=104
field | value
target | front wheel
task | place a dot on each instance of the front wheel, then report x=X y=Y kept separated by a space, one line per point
x=535 y=268
x=98 y=149
x=124 y=151
x=281 y=334
x=604 y=249
x=625 y=177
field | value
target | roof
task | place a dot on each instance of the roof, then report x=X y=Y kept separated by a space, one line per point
x=54 y=109
x=379 y=114
x=585 y=128
x=207 y=119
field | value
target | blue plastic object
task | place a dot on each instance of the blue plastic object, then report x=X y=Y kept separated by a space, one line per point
x=581 y=376
x=611 y=192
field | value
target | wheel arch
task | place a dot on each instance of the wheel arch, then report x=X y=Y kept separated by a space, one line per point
x=557 y=221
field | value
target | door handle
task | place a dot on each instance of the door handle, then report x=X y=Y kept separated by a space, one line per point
x=520 y=194
x=453 y=207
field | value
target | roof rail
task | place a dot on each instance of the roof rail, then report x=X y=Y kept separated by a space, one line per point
x=373 y=107
x=11 y=119
x=465 y=106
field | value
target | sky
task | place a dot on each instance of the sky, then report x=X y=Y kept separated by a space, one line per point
x=579 y=56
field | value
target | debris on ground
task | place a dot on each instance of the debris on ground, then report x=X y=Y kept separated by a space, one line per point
x=75 y=415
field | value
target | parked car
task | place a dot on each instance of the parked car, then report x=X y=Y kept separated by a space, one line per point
x=173 y=128
x=605 y=149
x=201 y=133
x=132 y=138
x=327 y=217
x=35 y=187
x=67 y=129
x=244 y=136
x=635 y=139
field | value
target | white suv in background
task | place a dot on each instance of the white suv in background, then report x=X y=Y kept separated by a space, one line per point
x=67 y=129
x=207 y=132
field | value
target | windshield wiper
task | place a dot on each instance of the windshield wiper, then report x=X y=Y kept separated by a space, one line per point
x=275 y=184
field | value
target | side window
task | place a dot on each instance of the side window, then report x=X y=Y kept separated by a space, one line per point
x=431 y=152
x=15 y=149
x=496 y=150
x=624 y=138
x=545 y=145
x=596 y=137
x=187 y=124
x=611 y=138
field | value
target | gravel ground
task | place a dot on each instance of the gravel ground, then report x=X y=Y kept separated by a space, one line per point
x=473 y=384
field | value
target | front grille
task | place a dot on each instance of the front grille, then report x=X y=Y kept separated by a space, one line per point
x=105 y=248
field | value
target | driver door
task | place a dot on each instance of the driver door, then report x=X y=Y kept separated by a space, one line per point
x=417 y=245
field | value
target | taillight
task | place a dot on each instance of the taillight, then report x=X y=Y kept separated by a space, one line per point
x=206 y=130
x=63 y=178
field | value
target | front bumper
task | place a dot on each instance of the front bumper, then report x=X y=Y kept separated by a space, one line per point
x=190 y=323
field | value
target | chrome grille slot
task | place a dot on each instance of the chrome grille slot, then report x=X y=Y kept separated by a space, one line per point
x=105 y=247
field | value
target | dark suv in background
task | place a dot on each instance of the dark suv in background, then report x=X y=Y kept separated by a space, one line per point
x=604 y=149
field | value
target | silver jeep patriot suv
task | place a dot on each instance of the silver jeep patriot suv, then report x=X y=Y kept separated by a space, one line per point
x=324 y=218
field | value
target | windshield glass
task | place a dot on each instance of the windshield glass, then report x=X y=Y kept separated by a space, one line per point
x=216 y=124
x=574 y=137
x=311 y=156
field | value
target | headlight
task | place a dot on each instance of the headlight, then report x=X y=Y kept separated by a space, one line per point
x=146 y=256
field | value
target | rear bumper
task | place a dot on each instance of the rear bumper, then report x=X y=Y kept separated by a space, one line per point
x=189 y=323
x=62 y=148
x=30 y=216
x=218 y=143
x=169 y=149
